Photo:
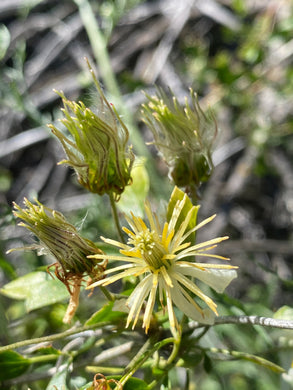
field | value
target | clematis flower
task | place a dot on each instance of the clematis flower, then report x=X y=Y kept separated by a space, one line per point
x=163 y=257
x=184 y=135
x=98 y=149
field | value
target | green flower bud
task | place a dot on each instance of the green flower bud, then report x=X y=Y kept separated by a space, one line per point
x=60 y=239
x=184 y=135
x=98 y=151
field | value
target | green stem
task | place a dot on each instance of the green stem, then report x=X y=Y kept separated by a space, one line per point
x=115 y=216
x=175 y=350
x=53 y=337
x=142 y=355
x=43 y=358
x=147 y=350
x=107 y=294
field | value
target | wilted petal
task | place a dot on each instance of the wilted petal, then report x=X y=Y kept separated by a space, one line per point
x=218 y=279
x=206 y=316
x=137 y=297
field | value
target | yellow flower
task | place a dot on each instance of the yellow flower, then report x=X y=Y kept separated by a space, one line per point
x=163 y=257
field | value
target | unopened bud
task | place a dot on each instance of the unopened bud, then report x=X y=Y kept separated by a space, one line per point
x=97 y=149
x=184 y=135
x=59 y=238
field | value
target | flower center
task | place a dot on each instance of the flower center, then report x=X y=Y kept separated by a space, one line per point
x=150 y=247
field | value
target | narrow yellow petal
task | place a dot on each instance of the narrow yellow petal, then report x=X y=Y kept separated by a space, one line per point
x=203 y=245
x=115 y=243
x=193 y=288
x=181 y=247
x=182 y=228
x=151 y=303
x=200 y=225
x=129 y=232
x=131 y=253
x=149 y=214
x=166 y=276
x=171 y=314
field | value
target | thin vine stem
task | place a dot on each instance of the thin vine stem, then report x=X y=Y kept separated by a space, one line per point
x=255 y=320
x=52 y=337
x=115 y=216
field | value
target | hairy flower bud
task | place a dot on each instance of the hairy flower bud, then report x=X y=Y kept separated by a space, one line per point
x=183 y=135
x=59 y=238
x=98 y=151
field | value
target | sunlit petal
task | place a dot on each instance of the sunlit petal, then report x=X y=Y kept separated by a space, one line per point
x=204 y=316
x=136 y=299
x=218 y=279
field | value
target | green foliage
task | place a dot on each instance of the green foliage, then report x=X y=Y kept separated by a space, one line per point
x=12 y=364
x=38 y=289
x=105 y=314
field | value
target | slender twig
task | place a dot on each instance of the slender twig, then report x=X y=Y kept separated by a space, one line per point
x=175 y=350
x=252 y=320
x=107 y=294
x=115 y=216
x=142 y=355
x=52 y=337
x=246 y=356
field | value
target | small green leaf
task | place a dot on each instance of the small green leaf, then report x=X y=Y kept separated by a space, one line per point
x=251 y=358
x=12 y=364
x=4 y=40
x=192 y=359
x=38 y=289
x=284 y=313
x=134 y=195
x=48 y=351
x=105 y=314
x=58 y=381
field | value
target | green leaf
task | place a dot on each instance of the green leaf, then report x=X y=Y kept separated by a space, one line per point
x=251 y=358
x=4 y=40
x=58 y=381
x=178 y=195
x=105 y=314
x=284 y=313
x=12 y=364
x=38 y=289
x=48 y=351
x=134 y=195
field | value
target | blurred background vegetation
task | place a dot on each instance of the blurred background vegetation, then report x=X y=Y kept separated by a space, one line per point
x=237 y=55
